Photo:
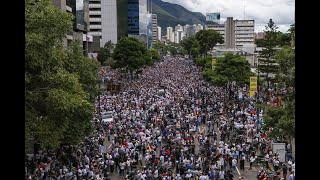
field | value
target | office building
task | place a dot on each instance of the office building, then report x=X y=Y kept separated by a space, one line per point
x=159 y=33
x=154 y=28
x=229 y=33
x=122 y=19
x=220 y=28
x=244 y=32
x=103 y=20
x=170 y=34
x=198 y=27
x=80 y=11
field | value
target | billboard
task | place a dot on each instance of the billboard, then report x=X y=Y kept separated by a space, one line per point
x=253 y=85
x=213 y=17
x=280 y=148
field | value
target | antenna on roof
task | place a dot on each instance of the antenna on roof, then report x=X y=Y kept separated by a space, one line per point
x=244 y=12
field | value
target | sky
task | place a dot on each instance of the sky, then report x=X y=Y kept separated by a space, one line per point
x=280 y=11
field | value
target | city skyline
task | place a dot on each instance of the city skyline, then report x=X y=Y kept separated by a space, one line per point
x=281 y=11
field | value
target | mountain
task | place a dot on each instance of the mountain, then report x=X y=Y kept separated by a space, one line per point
x=169 y=14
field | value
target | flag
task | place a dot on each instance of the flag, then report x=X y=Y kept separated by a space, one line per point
x=149 y=147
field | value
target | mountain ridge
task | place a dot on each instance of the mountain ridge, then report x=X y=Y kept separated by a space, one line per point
x=170 y=14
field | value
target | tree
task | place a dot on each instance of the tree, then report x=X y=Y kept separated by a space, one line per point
x=266 y=61
x=60 y=83
x=161 y=47
x=284 y=39
x=187 y=44
x=154 y=54
x=286 y=72
x=105 y=53
x=292 y=33
x=231 y=68
x=131 y=54
x=208 y=39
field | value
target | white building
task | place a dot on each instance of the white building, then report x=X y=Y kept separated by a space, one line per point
x=170 y=34
x=244 y=32
x=198 y=27
x=220 y=28
x=178 y=28
x=159 y=33
x=103 y=20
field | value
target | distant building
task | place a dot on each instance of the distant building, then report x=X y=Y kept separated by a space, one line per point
x=170 y=34
x=198 y=27
x=178 y=28
x=244 y=32
x=220 y=28
x=229 y=33
x=155 y=28
x=260 y=35
x=159 y=33
x=189 y=30
x=79 y=32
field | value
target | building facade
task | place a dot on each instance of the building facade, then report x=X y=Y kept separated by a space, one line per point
x=159 y=33
x=260 y=35
x=80 y=10
x=170 y=34
x=154 y=28
x=229 y=33
x=244 y=32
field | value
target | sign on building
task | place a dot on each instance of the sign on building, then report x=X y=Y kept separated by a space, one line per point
x=280 y=149
x=253 y=85
x=213 y=17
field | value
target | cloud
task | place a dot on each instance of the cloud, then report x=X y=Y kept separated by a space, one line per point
x=280 y=11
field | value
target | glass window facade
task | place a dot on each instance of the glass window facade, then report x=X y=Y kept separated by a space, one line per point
x=122 y=18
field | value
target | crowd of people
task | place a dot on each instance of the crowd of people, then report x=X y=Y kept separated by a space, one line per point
x=167 y=124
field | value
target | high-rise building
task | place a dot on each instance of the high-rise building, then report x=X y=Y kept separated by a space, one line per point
x=109 y=21
x=138 y=21
x=197 y=27
x=220 y=28
x=244 y=32
x=159 y=33
x=122 y=19
x=154 y=28
x=229 y=33
x=80 y=10
x=178 y=28
x=103 y=20
x=170 y=34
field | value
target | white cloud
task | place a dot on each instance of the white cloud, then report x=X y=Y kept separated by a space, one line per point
x=280 y=11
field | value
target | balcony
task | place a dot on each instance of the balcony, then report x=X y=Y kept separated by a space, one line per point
x=95 y=26
x=95 y=33
x=95 y=20
x=94 y=5
x=94 y=12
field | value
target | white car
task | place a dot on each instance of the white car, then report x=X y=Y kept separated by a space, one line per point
x=107 y=116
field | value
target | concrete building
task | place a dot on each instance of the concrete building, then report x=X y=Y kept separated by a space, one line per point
x=178 y=28
x=198 y=27
x=80 y=11
x=260 y=35
x=189 y=30
x=220 y=28
x=159 y=33
x=244 y=32
x=154 y=28
x=229 y=33
x=170 y=35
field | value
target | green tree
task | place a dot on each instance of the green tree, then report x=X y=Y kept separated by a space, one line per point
x=203 y=61
x=286 y=60
x=266 y=61
x=231 y=68
x=60 y=83
x=284 y=39
x=155 y=54
x=161 y=47
x=208 y=39
x=105 y=53
x=187 y=44
x=131 y=54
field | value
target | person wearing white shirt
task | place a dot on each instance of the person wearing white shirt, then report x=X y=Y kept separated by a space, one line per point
x=234 y=164
x=203 y=177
